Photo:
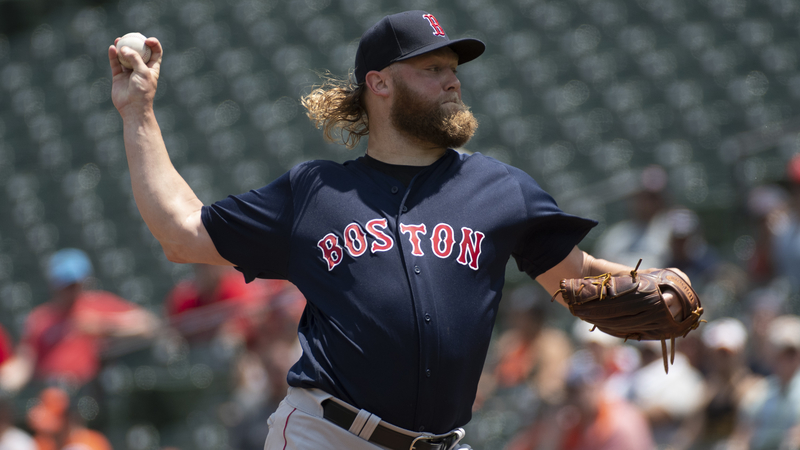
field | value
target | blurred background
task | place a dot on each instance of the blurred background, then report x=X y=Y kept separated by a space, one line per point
x=674 y=123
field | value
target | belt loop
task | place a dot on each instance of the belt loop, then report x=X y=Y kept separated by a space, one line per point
x=459 y=434
x=359 y=421
x=369 y=427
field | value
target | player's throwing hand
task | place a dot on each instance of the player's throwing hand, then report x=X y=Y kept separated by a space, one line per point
x=136 y=87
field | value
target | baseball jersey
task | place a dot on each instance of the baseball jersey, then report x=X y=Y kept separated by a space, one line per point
x=402 y=283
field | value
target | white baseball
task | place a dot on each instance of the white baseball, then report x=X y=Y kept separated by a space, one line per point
x=136 y=42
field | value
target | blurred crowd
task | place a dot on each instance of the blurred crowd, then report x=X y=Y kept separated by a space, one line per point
x=549 y=383
x=69 y=341
x=735 y=381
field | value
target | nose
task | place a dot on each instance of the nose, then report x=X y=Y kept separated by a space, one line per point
x=452 y=82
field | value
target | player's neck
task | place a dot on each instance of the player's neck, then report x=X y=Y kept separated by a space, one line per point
x=395 y=148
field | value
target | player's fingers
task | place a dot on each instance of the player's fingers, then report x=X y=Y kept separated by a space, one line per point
x=156 y=50
x=674 y=305
x=156 y=54
x=134 y=58
x=113 y=61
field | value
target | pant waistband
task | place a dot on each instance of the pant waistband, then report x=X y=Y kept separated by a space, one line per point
x=369 y=426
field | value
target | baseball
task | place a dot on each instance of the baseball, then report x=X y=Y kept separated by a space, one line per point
x=136 y=42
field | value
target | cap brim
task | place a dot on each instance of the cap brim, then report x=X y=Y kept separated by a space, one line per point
x=467 y=49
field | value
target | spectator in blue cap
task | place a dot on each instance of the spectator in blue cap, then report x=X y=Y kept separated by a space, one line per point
x=63 y=337
x=66 y=267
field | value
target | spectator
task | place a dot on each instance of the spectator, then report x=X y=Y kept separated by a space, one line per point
x=527 y=351
x=688 y=249
x=610 y=352
x=727 y=382
x=272 y=346
x=63 y=337
x=647 y=232
x=209 y=285
x=57 y=427
x=767 y=207
x=763 y=306
x=11 y=437
x=525 y=371
x=590 y=419
x=6 y=347
x=198 y=307
x=259 y=320
x=666 y=399
x=786 y=242
x=7 y=366
x=771 y=415
x=216 y=300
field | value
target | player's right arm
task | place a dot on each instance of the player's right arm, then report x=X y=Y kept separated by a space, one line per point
x=166 y=202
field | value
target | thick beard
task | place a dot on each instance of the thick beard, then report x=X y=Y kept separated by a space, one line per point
x=429 y=122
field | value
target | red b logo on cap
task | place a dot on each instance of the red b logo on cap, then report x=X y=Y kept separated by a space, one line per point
x=437 y=29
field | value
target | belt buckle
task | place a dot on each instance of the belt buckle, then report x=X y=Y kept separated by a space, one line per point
x=446 y=440
x=422 y=438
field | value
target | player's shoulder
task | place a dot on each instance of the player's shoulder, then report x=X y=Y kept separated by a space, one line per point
x=315 y=168
x=489 y=165
x=317 y=164
x=483 y=160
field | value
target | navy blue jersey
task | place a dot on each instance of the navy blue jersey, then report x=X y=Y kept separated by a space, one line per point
x=402 y=284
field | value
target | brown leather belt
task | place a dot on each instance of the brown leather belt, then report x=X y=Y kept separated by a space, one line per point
x=386 y=437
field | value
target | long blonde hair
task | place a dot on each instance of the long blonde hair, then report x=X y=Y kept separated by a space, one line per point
x=336 y=107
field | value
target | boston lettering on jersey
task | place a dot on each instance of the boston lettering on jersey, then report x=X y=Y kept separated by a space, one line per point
x=357 y=240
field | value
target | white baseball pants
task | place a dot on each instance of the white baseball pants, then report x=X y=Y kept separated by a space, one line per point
x=298 y=424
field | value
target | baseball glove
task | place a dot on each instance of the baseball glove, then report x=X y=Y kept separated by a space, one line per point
x=633 y=307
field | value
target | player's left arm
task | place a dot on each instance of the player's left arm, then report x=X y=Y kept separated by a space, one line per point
x=579 y=264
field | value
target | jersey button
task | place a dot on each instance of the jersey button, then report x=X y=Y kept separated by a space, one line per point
x=404 y=208
x=428 y=318
x=428 y=373
x=395 y=189
x=417 y=270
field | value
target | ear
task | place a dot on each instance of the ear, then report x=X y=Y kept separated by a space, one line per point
x=378 y=82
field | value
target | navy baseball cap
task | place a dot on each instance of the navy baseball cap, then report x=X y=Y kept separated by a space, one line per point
x=68 y=266
x=406 y=35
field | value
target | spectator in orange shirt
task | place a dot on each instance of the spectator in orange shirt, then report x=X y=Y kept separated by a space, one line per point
x=63 y=337
x=11 y=437
x=528 y=353
x=590 y=418
x=56 y=427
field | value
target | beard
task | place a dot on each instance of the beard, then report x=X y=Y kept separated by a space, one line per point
x=429 y=121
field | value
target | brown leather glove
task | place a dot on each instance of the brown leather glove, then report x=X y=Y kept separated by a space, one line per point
x=633 y=307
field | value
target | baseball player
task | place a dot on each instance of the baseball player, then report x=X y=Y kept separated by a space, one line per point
x=400 y=253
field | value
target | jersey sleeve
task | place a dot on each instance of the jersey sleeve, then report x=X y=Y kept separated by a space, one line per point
x=549 y=233
x=253 y=230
